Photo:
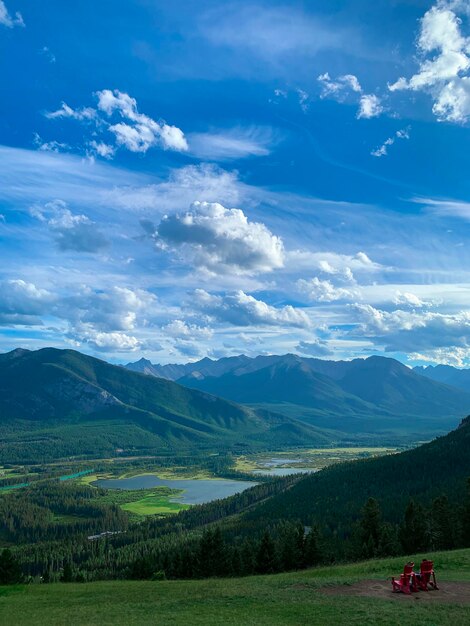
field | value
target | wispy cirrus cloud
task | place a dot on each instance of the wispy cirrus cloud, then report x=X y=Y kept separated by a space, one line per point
x=234 y=143
x=270 y=32
x=445 y=207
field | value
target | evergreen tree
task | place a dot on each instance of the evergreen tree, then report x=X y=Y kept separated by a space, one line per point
x=212 y=553
x=248 y=557
x=370 y=528
x=67 y=573
x=291 y=546
x=388 y=542
x=443 y=530
x=312 y=548
x=414 y=534
x=266 y=561
x=466 y=518
x=10 y=570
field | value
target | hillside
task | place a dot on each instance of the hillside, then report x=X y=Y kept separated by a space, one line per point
x=335 y=495
x=72 y=404
x=373 y=395
x=357 y=594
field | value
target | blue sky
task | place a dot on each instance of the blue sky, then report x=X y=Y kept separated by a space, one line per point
x=193 y=179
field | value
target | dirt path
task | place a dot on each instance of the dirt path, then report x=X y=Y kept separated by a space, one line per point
x=454 y=592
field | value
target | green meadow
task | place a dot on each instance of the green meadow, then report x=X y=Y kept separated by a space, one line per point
x=154 y=504
x=316 y=596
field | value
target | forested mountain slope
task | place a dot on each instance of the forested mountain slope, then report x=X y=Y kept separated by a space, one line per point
x=71 y=404
x=335 y=495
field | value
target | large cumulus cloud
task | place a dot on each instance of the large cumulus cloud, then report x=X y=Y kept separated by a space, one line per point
x=221 y=240
x=241 y=309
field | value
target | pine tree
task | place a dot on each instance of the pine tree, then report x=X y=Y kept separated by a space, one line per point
x=466 y=518
x=67 y=573
x=266 y=562
x=442 y=525
x=312 y=548
x=370 y=528
x=414 y=533
x=212 y=553
x=388 y=541
x=10 y=570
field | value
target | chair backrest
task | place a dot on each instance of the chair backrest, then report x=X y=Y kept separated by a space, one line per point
x=408 y=569
x=427 y=566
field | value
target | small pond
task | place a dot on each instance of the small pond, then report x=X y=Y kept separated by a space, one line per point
x=195 y=491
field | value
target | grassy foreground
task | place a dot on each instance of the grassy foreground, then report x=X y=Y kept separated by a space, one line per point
x=295 y=598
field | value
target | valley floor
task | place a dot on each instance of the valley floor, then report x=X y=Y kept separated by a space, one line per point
x=324 y=596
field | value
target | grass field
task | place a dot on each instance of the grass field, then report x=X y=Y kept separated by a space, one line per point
x=153 y=504
x=301 y=598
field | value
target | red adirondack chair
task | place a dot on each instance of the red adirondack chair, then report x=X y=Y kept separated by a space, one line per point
x=406 y=583
x=426 y=578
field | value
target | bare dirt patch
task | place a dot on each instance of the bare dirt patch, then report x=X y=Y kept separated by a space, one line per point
x=453 y=592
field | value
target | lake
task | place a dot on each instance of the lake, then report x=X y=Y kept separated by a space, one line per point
x=283 y=471
x=195 y=491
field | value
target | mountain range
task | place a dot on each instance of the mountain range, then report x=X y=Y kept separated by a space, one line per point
x=56 y=403
x=446 y=374
x=372 y=395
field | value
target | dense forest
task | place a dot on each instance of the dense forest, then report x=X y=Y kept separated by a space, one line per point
x=206 y=541
x=412 y=501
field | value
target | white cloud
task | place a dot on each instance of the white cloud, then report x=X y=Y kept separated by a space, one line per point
x=369 y=106
x=241 y=309
x=143 y=132
x=316 y=348
x=49 y=146
x=182 y=330
x=104 y=342
x=339 y=265
x=221 y=240
x=303 y=100
x=236 y=143
x=339 y=87
x=71 y=232
x=324 y=291
x=114 y=309
x=446 y=208
x=413 y=331
x=272 y=33
x=382 y=150
x=346 y=85
x=102 y=149
x=444 y=63
x=458 y=357
x=22 y=299
x=409 y=299
x=137 y=132
x=65 y=111
x=7 y=20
